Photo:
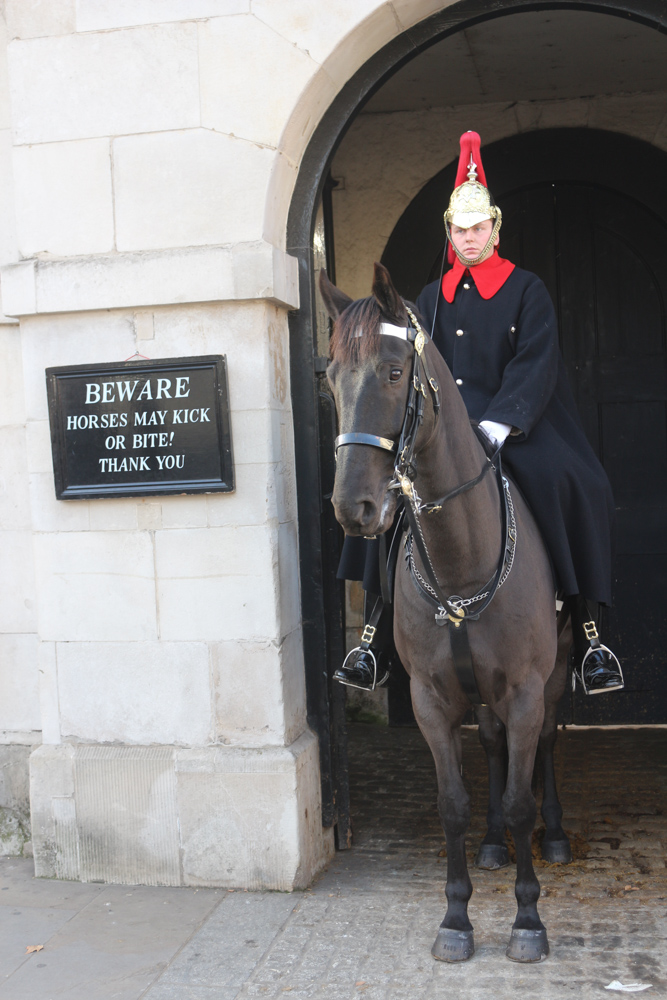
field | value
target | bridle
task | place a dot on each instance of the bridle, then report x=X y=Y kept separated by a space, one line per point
x=404 y=469
x=414 y=409
x=452 y=610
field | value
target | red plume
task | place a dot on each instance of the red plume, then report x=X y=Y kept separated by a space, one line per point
x=470 y=145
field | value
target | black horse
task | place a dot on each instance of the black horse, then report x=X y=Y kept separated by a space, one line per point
x=518 y=649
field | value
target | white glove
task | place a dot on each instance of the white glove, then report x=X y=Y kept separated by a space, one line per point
x=496 y=432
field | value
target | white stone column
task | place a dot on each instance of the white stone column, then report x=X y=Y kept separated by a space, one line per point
x=173 y=693
x=147 y=166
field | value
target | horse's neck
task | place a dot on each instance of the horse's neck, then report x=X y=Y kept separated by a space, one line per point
x=464 y=537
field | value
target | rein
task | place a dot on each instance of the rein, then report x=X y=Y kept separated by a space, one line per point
x=449 y=610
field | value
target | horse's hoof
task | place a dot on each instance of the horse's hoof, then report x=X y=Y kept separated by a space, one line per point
x=453 y=946
x=492 y=856
x=556 y=852
x=527 y=946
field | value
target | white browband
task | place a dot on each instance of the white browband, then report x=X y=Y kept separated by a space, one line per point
x=389 y=330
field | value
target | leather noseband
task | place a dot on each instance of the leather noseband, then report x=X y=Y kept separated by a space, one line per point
x=356 y=437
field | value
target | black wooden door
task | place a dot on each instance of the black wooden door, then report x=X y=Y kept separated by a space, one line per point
x=604 y=260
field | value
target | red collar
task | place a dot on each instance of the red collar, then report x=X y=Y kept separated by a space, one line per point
x=489 y=276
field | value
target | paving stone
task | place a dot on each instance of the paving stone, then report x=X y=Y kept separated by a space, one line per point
x=112 y=946
x=225 y=951
x=366 y=927
x=21 y=926
x=18 y=885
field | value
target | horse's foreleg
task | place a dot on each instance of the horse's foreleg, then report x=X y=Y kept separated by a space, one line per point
x=454 y=942
x=555 y=846
x=528 y=941
x=492 y=851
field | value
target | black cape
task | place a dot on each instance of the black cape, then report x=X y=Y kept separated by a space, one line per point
x=511 y=371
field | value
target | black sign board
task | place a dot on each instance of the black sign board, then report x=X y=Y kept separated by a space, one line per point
x=141 y=428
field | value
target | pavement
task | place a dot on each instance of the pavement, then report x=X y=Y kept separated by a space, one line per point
x=366 y=926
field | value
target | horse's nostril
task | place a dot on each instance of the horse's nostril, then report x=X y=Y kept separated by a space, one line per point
x=357 y=515
x=368 y=512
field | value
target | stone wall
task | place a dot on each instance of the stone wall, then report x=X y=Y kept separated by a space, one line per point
x=20 y=715
x=173 y=622
x=151 y=657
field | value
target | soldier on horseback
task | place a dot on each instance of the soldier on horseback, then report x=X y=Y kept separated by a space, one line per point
x=495 y=325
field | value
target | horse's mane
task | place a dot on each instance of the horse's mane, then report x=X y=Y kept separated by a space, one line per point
x=365 y=314
x=346 y=345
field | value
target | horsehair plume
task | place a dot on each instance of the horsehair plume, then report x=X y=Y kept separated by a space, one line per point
x=346 y=344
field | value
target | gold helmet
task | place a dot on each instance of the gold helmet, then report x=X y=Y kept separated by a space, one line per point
x=471 y=200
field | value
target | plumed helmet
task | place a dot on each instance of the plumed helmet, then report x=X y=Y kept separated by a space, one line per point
x=471 y=200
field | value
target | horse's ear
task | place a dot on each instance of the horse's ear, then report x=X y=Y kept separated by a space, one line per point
x=386 y=295
x=335 y=301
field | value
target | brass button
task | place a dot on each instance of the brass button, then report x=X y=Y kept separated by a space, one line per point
x=466 y=286
x=459 y=381
x=459 y=333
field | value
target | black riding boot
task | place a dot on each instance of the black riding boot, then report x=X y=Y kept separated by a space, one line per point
x=593 y=665
x=368 y=665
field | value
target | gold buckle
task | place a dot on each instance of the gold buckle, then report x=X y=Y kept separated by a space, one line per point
x=407 y=486
x=368 y=634
x=590 y=631
x=460 y=612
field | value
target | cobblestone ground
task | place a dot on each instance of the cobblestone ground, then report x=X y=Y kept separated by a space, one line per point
x=367 y=926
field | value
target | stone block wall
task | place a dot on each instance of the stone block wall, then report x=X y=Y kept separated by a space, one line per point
x=151 y=656
x=178 y=816
x=172 y=622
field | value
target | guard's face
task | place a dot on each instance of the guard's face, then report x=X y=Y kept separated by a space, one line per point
x=471 y=242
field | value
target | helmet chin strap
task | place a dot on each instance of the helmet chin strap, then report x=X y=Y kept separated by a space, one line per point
x=482 y=254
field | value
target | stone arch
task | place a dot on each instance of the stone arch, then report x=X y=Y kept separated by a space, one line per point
x=300 y=177
x=380 y=28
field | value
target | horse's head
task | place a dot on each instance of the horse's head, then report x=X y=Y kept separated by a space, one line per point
x=370 y=377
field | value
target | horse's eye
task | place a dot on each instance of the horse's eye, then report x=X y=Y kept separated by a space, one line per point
x=395 y=374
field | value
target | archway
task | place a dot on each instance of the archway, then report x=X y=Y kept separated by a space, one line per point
x=321 y=599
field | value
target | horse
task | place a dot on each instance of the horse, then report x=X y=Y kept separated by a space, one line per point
x=386 y=375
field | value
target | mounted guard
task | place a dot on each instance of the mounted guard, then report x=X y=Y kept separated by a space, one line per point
x=495 y=326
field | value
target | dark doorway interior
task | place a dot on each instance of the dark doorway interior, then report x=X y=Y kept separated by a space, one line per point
x=585 y=211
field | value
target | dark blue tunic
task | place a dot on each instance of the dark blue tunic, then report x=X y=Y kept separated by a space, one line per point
x=511 y=371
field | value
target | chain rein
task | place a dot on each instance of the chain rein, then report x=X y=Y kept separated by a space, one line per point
x=508 y=562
